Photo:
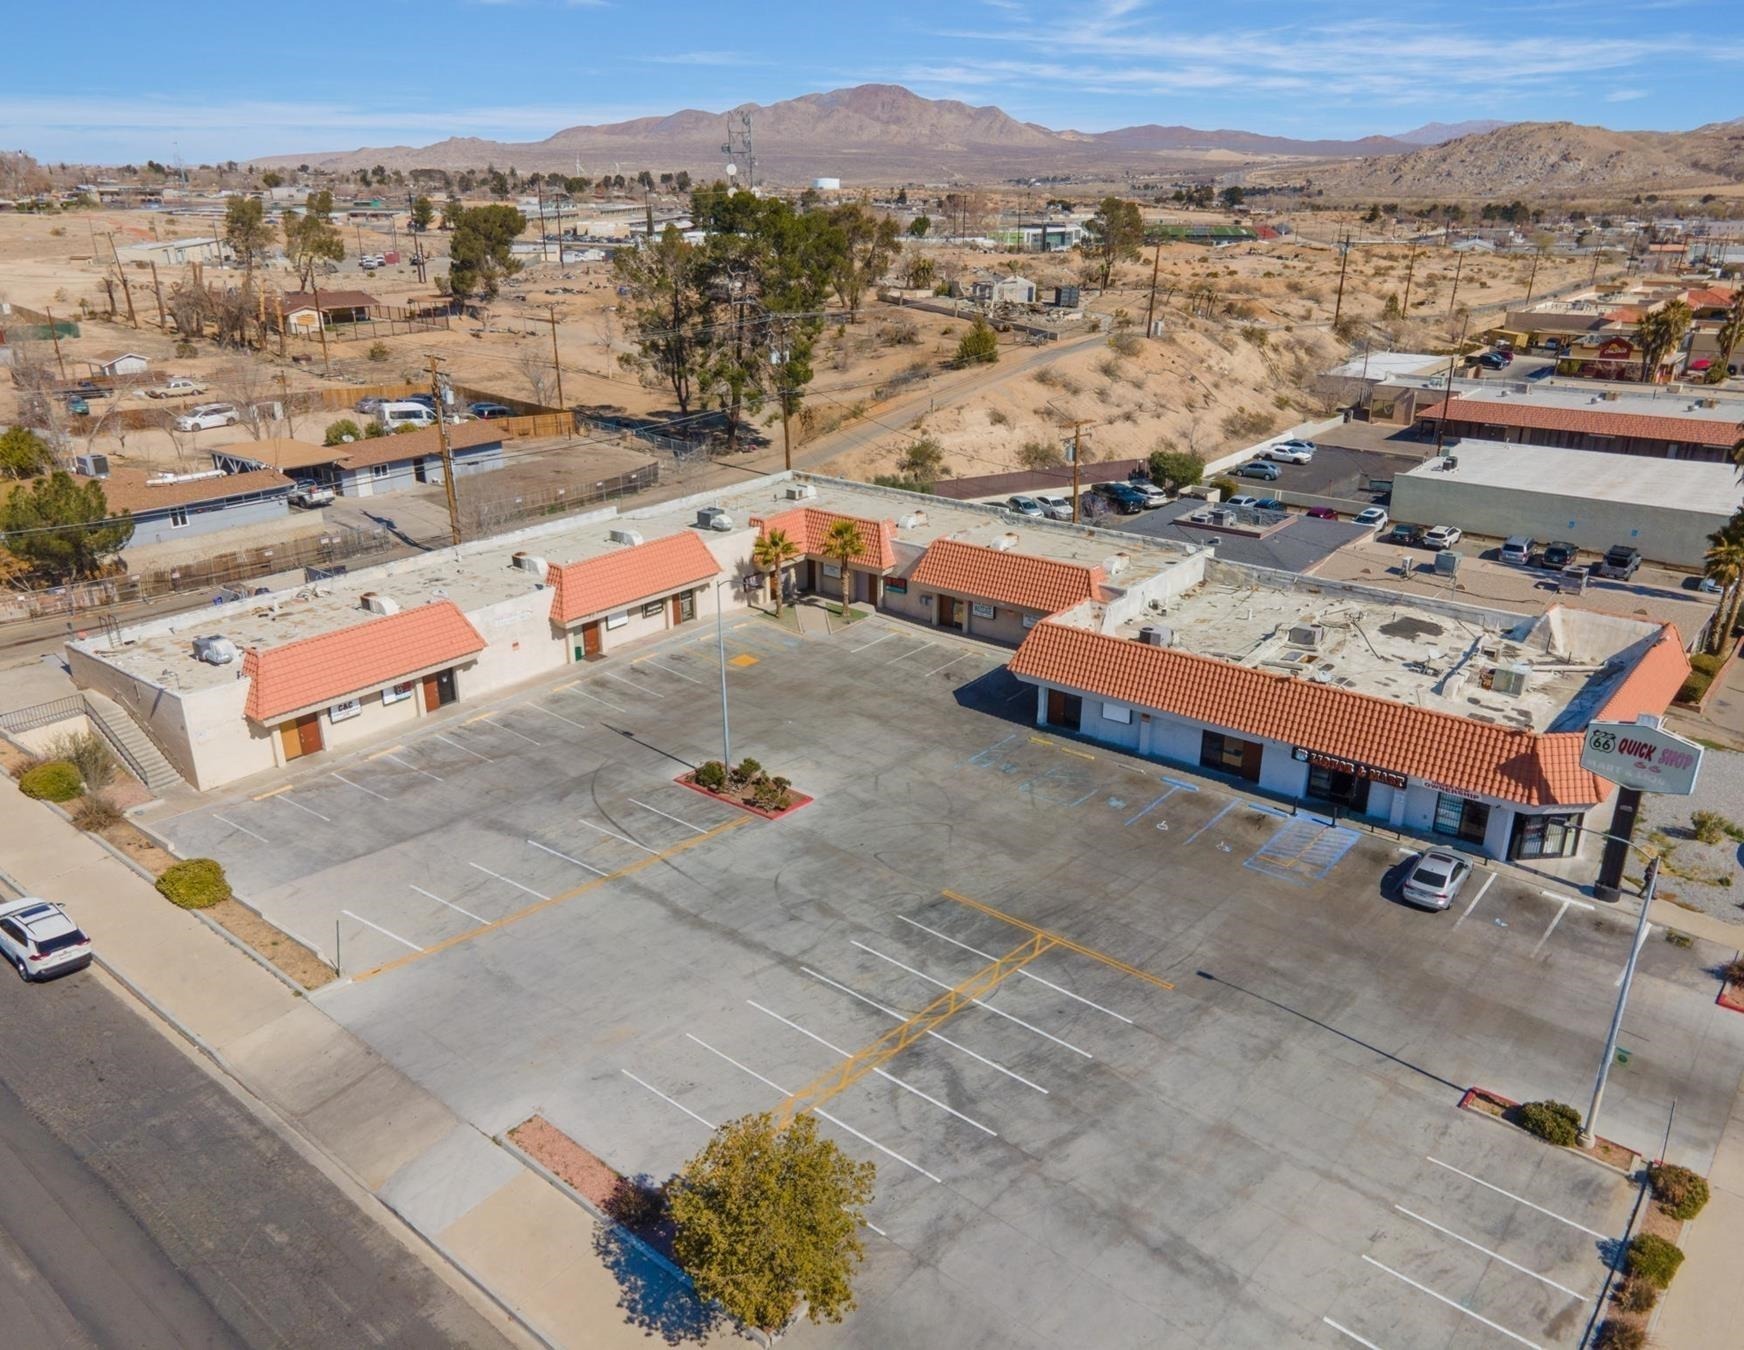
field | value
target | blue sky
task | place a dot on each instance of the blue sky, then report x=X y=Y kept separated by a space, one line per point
x=233 y=80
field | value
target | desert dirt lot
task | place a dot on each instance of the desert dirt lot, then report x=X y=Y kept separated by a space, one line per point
x=1240 y=1128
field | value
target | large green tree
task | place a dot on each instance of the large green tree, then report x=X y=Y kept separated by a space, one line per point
x=768 y=1217
x=668 y=305
x=423 y=212
x=1658 y=334
x=480 y=256
x=771 y=554
x=842 y=544
x=246 y=230
x=1113 y=235
x=61 y=525
x=1723 y=564
x=1726 y=340
x=312 y=238
x=23 y=454
x=867 y=245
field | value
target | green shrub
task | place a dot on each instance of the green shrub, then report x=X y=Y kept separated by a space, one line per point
x=1681 y=1193
x=1126 y=344
x=1636 y=1296
x=378 y=351
x=90 y=754
x=980 y=346
x=1653 y=1259
x=1554 y=1122
x=1710 y=827
x=185 y=349
x=1226 y=487
x=1615 y=1335
x=55 y=781
x=1707 y=663
x=1733 y=970
x=711 y=775
x=746 y=771
x=197 y=883
x=342 y=431
x=96 y=812
x=1694 y=688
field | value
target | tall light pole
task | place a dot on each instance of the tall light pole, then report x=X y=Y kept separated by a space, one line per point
x=1589 y=1131
x=721 y=647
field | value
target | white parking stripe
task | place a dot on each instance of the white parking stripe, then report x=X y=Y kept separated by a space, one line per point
x=977 y=1002
x=540 y=707
x=1456 y=1306
x=855 y=651
x=816 y=1110
x=378 y=928
x=595 y=697
x=1488 y=882
x=1497 y=1256
x=1348 y=1332
x=888 y=1077
x=360 y=787
x=912 y=651
x=936 y=1035
x=674 y=819
x=639 y=688
x=1566 y=899
x=476 y=918
x=566 y=858
x=670 y=671
x=1037 y=978
x=233 y=825
x=1560 y=911
x=458 y=746
x=539 y=895
x=1593 y=1232
x=953 y=661
x=407 y=764
x=504 y=726
x=288 y=802
x=612 y=834
x=663 y=1097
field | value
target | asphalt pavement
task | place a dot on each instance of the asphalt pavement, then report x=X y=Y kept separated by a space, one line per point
x=145 y=1206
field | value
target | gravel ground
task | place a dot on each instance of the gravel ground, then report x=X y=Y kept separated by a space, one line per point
x=1704 y=876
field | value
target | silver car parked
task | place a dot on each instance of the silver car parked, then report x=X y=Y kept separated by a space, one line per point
x=1435 y=879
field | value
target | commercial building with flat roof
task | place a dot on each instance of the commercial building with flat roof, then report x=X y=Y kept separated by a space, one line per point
x=1667 y=424
x=1667 y=509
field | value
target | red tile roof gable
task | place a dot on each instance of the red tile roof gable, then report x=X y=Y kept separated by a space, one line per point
x=1011 y=578
x=809 y=526
x=323 y=669
x=627 y=575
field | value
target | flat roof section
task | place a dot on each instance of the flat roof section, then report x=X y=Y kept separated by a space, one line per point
x=1640 y=480
x=1389 y=365
x=1296 y=543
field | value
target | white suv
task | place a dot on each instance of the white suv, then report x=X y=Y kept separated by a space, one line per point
x=206 y=416
x=38 y=938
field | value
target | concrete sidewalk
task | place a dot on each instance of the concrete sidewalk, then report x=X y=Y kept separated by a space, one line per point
x=538 y=1253
x=1705 y=1305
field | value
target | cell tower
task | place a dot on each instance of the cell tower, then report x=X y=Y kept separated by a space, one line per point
x=739 y=142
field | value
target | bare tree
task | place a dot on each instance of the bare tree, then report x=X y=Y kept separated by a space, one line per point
x=536 y=369
x=247 y=385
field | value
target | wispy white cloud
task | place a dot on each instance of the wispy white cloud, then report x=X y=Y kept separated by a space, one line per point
x=1625 y=95
x=719 y=58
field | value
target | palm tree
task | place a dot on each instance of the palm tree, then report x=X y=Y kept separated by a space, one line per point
x=1724 y=563
x=771 y=554
x=1726 y=340
x=1659 y=333
x=843 y=543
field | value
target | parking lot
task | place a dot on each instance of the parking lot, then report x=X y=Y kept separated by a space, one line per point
x=1217 y=1105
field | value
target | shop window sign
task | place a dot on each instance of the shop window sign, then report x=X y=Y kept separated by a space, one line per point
x=1319 y=759
x=340 y=711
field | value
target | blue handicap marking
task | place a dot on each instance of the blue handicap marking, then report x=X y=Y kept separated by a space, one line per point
x=1305 y=848
x=1062 y=786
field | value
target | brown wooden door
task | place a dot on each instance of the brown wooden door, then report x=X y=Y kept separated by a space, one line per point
x=289 y=742
x=1065 y=710
x=301 y=737
x=432 y=694
x=1251 y=754
x=590 y=638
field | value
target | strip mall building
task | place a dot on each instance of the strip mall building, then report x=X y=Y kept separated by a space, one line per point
x=1436 y=718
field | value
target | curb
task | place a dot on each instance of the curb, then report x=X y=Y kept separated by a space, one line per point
x=1472 y=1092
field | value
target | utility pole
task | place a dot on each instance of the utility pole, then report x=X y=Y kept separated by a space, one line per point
x=1343 y=262
x=320 y=323
x=1453 y=300
x=157 y=289
x=556 y=364
x=1150 y=308
x=279 y=301
x=447 y=454
x=54 y=334
x=126 y=290
x=544 y=235
x=285 y=396
x=1410 y=267
x=1532 y=280
x=1447 y=407
x=1077 y=446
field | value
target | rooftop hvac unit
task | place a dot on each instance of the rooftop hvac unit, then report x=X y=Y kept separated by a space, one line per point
x=713 y=518
x=1309 y=635
x=528 y=562
x=1116 y=563
x=800 y=492
x=91 y=466
x=911 y=520
x=376 y=603
x=623 y=535
x=1509 y=680
x=1446 y=563
x=1156 y=635
x=214 y=651
x=1005 y=542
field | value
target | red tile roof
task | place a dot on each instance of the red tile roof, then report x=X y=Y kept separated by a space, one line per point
x=614 y=580
x=1708 y=299
x=1592 y=421
x=323 y=669
x=807 y=526
x=1532 y=768
x=1652 y=683
x=1007 y=577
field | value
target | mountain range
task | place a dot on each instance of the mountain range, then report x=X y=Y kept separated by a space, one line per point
x=875 y=133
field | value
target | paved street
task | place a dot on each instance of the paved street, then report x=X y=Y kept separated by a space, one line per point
x=145 y=1206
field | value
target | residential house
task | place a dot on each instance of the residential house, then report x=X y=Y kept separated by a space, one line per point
x=113 y=365
x=307 y=311
x=168 y=507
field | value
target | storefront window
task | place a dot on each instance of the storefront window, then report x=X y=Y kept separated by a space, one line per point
x=1332 y=785
x=1461 y=818
x=1231 y=754
x=1544 y=836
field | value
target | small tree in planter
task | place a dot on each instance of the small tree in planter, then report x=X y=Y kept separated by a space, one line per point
x=842 y=544
x=1681 y=1193
x=711 y=774
x=1553 y=1122
x=1653 y=1259
x=771 y=554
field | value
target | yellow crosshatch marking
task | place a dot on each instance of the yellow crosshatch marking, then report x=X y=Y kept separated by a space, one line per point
x=743 y=659
x=1112 y=962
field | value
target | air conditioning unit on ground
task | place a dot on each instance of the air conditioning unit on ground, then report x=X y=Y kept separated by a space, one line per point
x=91 y=466
x=622 y=535
x=377 y=603
x=214 y=650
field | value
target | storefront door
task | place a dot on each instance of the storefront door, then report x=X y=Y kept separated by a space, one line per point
x=1461 y=818
x=1346 y=790
x=1544 y=836
x=1065 y=710
x=684 y=607
x=951 y=612
x=301 y=737
x=438 y=690
x=590 y=641
x=1231 y=754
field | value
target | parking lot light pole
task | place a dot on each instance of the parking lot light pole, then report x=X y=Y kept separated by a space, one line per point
x=1589 y=1130
x=721 y=646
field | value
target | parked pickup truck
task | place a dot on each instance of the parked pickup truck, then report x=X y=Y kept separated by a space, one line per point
x=310 y=497
x=1620 y=562
x=179 y=386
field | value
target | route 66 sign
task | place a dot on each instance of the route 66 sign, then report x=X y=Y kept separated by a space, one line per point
x=1646 y=758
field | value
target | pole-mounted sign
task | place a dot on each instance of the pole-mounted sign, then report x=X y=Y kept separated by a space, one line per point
x=1646 y=758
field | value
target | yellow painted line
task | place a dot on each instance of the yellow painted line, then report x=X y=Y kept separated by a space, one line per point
x=391 y=750
x=560 y=688
x=558 y=899
x=480 y=718
x=282 y=787
x=1063 y=749
x=1059 y=939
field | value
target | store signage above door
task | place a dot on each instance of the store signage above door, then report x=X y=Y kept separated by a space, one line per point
x=1646 y=758
x=1339 y=764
